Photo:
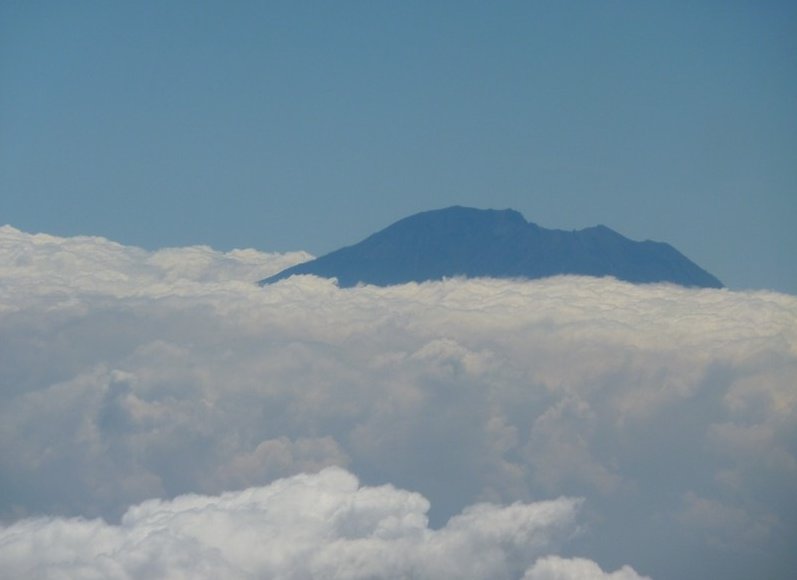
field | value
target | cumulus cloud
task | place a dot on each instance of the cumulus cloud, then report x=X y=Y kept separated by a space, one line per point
x=309 y=526
x=127 y=375
x=556 y=568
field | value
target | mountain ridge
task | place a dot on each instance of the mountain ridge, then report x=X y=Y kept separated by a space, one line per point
x=463 y=241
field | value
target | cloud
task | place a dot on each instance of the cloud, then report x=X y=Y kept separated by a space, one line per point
x=556 y=568
x=308 y=526
x=127 y=375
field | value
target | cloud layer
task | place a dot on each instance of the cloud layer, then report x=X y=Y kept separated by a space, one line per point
x=127 y=375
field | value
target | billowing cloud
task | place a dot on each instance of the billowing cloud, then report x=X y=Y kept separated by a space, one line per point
x=556 y=568
x=127 y=375
x=308 y=526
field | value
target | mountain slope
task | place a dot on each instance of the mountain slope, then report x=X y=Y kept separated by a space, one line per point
x=459 y=241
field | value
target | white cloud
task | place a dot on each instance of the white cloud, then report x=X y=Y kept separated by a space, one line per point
x=96 y=266
x=127 y=374
x=309 y=526
x=556 y=568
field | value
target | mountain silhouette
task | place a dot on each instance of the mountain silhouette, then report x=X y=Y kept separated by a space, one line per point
x=460 y=241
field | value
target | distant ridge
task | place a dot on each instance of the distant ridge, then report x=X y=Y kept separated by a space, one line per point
x=461 y=241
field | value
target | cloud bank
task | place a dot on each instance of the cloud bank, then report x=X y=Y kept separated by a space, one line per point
x=127 y=375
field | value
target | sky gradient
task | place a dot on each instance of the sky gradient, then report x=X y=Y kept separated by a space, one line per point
x=307 y=126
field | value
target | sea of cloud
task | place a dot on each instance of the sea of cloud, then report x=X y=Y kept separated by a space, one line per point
x=128 y=375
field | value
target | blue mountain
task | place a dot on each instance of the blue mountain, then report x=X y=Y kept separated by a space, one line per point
x=461 y=241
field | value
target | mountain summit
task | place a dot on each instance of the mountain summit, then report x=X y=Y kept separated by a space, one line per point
x=461 y=241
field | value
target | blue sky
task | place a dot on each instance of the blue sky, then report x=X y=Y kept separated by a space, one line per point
x=286 y=126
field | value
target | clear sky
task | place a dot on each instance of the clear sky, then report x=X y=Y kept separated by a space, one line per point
x=308 y=125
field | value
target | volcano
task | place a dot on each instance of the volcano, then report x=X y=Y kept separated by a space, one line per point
x=468 y=242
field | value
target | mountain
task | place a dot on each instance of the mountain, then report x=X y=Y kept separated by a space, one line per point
x=460 y=241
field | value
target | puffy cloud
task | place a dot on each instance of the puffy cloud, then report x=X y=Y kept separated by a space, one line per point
x=556 y=568
x=127 y=374
x=309 y=526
